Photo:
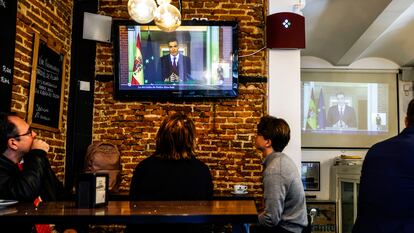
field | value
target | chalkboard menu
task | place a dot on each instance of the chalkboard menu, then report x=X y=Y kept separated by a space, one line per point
x=47 y=87
x=8 y=9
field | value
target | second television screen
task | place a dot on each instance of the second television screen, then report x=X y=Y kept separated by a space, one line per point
x=348 y=109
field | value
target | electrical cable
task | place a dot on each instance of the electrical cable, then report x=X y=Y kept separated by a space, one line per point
x=247 y=55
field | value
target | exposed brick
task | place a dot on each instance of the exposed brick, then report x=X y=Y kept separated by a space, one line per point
x=36 y=16
x=225 y=128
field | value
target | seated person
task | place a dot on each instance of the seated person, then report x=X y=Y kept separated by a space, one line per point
x=25 y=171
x=341 y=115
x=283 y=194
x=172 y=172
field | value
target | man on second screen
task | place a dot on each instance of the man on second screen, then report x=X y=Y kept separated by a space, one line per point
x=175 y=67
x=341 y=115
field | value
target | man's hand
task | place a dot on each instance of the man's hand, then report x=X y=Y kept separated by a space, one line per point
x=39 y=144
x=340 y=124
x=70 y=231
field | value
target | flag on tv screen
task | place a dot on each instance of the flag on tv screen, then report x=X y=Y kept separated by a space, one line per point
x=149 y=62
x=311 y=120
x=321 y=111
x=137 y=71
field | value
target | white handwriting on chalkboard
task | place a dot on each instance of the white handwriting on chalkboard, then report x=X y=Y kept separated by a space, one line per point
x=46 y=91
x=2 y=3
x=40 y=108
x=42 y=87
x=47 y=74
x=48 y=84
x=4 y=80
x=41 y=61
x=43 y=92
x=38 y=115
x=40 y=72
x=51 y=66
x=5 y=69
x=52 y=76
x=49 y=93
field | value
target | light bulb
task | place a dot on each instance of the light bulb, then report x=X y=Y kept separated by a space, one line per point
x=298 y=7
x=160 y=2
x=302 y=4
x=142 y=11
x=167 y=17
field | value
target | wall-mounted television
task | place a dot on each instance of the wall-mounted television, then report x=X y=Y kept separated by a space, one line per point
x=147 y=65
x=348 y=109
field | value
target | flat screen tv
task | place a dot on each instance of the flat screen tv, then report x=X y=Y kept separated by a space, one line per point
x=348 y=109
x=206 y=66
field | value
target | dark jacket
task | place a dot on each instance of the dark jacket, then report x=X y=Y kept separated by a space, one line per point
x=36 y=179
x=184 y=67
x=349 y=116
x=386 y=193
x=159 y=179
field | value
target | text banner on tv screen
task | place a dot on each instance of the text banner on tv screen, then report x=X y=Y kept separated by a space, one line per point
x=206 y=65
x=348 y=109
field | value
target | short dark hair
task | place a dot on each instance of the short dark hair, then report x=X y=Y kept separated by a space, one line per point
x=176 y=138
x=340 y=93
x=275 y=129
x=7 y=129
x=410 y=114
x=172 y=39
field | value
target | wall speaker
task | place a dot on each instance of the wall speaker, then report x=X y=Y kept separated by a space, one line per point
x=407 y=73
x=97 y=27
x=285 y=30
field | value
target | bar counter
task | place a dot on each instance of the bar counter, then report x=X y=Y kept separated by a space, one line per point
x=236 y=212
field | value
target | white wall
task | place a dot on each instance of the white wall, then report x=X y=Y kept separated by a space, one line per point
x=284 y=95
x=280 y=6
x=284 y=86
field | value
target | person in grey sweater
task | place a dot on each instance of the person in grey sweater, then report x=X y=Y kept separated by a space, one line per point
x=284 y=196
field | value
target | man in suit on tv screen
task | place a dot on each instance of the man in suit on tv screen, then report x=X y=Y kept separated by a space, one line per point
x=175 y=67
x=341 y=115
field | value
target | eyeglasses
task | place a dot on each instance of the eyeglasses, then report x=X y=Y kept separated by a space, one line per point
x=29 y=132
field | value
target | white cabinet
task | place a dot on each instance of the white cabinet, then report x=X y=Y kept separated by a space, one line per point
x=344 y=190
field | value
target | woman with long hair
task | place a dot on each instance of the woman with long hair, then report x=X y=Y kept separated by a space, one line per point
x=172 y=173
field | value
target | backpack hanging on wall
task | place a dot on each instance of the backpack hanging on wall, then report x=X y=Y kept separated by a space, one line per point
x=104 y=157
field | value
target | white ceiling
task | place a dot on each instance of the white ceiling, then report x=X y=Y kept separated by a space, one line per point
x=344 y=31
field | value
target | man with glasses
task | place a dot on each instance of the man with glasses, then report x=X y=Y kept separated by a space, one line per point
x=25 y=171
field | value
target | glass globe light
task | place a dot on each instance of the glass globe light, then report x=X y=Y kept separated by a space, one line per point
x=160 y=2
x=167 y=17
x=298 y=7
x=142 y=11
x=302 y=4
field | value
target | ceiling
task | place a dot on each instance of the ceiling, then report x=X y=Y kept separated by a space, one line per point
x=344 y=31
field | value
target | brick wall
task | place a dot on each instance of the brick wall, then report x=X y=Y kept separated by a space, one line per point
x=52 y=20
x=225 y=128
